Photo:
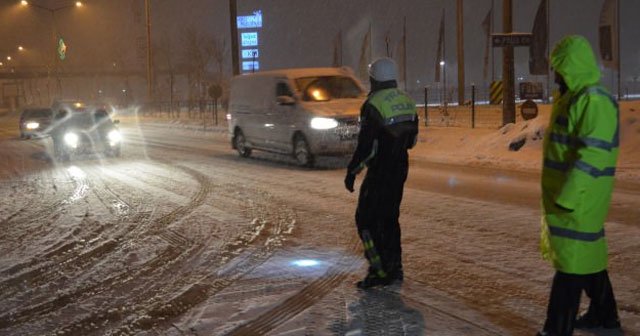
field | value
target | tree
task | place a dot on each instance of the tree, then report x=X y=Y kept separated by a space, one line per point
x=204 y=59
x=165 y=59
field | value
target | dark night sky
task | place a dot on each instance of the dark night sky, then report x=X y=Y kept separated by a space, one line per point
x=301 y=33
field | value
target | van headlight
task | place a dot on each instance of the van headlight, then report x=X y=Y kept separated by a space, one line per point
x=114 y=137
x=32 y=125
x=323 y=123
x=71 y=139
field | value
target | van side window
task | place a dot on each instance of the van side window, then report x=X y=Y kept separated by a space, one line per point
x=282 y=89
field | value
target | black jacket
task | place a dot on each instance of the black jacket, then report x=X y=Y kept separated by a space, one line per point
x=377 y=148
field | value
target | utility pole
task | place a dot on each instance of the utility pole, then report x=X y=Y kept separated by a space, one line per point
x=147 y=9
x=460 y=50
x=509 y=100
x=233 y=13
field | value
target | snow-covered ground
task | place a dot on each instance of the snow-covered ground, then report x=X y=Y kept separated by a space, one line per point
x=180 y=236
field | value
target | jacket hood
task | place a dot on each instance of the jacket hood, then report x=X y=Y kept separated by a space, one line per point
x=574 y=60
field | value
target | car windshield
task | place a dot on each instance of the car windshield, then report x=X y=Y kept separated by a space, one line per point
x=86 y=119
x=43 y=113
x=81 y=119
x=324 y=88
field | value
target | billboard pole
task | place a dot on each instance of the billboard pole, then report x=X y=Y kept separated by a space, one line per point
x=233 y=13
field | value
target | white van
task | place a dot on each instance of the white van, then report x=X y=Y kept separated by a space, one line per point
x=300 y=112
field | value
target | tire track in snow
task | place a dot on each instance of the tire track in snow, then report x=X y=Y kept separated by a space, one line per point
x=261 y=239
x=41 y=190
x=298 y=303
x=59 y=257
x=305 y=298
x=36 y=224
x=166 y=256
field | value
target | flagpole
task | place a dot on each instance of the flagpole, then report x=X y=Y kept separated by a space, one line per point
x=370 y=42
x=619 y=55
x=460 y=49
x=404 y=52
x=340 y=46
x=548 y=51
x=444 y=67
x=493 y=63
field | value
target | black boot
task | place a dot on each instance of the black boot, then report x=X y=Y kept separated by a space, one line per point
x=372 y=280
x=590 y=321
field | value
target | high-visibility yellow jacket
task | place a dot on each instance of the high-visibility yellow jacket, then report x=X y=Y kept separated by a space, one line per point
x=580 y=153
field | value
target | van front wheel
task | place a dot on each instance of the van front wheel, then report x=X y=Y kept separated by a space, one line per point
x=240 y=143
x=301 y=151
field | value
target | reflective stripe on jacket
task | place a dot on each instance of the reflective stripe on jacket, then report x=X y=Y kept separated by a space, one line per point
x=580 y=153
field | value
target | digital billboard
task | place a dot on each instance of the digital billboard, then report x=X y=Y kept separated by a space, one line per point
x=250 y=53
x=250 y=21
x=249 y=39
x=251 y=66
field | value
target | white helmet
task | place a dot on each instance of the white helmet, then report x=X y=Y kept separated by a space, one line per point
x=383 y=69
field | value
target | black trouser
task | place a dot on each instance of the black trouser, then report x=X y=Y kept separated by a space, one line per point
x=377 y=217
x=564 y=300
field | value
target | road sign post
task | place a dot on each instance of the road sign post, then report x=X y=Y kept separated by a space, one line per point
x=511 y=39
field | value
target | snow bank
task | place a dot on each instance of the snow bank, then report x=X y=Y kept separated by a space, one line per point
x=483 y=147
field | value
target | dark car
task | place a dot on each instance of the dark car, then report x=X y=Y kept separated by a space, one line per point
x=35 y=122
x=85 y=132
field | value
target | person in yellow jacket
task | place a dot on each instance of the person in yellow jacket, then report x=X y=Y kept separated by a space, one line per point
x=580 y=152
x=388 y=129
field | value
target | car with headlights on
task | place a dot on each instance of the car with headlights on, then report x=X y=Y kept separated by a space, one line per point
x=303 y=112
x=35 y=122
x=85 y=132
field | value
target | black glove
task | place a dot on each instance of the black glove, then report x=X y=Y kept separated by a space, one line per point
x=348 y=181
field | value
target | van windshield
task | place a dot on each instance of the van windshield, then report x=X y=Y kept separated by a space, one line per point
x=43 y=113
x=324 y=88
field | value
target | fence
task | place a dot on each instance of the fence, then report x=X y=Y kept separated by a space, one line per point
x=437 y=111
x=193 y=109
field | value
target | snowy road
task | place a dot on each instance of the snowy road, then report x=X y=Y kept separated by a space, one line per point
x=180 y=236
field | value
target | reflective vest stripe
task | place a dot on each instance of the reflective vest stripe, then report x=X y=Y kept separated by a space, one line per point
x=593 y=171
x=580 y=165
x=361 y=165
x=576 y=142
x=555 y=165
x=399 y=119
x=594 y=90
x=576 y=235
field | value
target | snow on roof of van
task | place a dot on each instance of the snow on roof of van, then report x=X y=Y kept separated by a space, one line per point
x=302 y=72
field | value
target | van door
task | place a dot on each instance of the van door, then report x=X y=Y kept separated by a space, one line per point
x=285 y=109
x=253 y=107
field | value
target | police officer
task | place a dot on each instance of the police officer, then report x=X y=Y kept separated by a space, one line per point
x=388 y=128
x=580 y=151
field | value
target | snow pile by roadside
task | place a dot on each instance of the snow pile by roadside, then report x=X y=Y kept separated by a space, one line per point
x=519 y=146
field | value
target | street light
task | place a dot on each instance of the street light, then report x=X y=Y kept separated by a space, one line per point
x=21 y=48
x=444 y=80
